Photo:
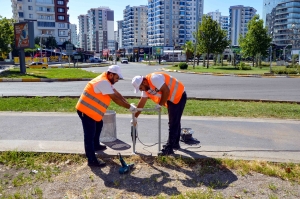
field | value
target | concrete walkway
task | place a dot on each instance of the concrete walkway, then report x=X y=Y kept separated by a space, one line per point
x=218 y=137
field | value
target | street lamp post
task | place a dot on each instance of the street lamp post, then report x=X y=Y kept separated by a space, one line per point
x=41 y=45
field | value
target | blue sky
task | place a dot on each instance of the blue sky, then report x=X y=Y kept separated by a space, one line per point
x=78 y=7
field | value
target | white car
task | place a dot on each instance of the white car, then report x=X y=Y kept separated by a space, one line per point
x=124 y=61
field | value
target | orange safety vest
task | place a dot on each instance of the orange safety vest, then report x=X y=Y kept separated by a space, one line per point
x=176 y=88
x=94 y=104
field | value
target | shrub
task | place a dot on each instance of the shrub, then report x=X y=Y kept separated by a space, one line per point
x=1 y=59
x=183 y=65
x=176 y=65
x=243 y=66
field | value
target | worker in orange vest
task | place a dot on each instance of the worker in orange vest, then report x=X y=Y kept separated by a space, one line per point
x=92 y=106
x=167 y=91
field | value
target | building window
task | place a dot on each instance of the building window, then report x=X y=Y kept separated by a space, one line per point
x=61 y=17
x=29 y=7
x=21 y=14
x=60 y=2
x=30 y=16
x=29 y=0
x=61 y=10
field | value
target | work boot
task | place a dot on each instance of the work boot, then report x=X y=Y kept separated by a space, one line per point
x=166 y=151
x=176 y=147
x=100 y=147
x=97 y=163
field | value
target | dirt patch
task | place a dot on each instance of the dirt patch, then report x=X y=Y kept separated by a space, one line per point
x=146 y=180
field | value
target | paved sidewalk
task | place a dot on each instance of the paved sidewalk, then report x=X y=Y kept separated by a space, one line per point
x=237 y=138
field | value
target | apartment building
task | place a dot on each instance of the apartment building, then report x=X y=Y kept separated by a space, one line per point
x=172 y=22
x=222 y=20
x=239 y=16
x=83 y=31
x=96 y=30
x=50 y=17
x=282 y=18
x=120 y=33
x=73 y=34
x=134 y=27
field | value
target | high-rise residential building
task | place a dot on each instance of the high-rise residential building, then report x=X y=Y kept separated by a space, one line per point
x=73 y=34
x=50 y=17
x=172 y=22
x=239 y=16
x=83 y=31
x=282 y=19
x=96 y=30
x=120 y=33
x=134 y=27
x=222 y=20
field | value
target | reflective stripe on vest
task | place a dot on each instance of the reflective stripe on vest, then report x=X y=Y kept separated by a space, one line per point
x=171 y=80
x=91 y=107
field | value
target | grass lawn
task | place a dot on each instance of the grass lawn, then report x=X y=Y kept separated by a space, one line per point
x=192 y=108
x=49 y=73
x=223 y=69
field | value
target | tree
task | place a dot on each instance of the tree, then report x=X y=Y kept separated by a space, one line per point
x=188 y=49
x=210 y=37
x=6 y=35
x=51 y=42
x=256 y=41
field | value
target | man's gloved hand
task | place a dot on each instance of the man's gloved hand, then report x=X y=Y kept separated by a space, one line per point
x=134 y=121
x=132 y=108
x=157 y=107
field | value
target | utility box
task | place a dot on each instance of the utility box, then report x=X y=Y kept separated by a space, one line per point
x=109 y=129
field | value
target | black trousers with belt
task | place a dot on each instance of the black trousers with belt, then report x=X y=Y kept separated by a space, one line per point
x=175 y=112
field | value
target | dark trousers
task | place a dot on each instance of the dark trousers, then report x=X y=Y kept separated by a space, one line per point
x=175 y=112
x=91 y=131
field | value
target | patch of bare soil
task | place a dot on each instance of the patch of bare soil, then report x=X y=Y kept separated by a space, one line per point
x=147 y=180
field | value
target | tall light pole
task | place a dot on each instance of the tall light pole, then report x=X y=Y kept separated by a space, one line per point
x=41 y=45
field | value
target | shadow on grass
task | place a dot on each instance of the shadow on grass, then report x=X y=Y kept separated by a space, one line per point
x=167 y=176
x=18 y=74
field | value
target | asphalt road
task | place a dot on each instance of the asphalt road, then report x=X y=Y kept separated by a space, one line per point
x=200 y=86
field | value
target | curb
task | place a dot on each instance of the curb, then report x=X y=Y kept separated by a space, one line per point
x=43 y=79
x=190 y=98
x=234 y=75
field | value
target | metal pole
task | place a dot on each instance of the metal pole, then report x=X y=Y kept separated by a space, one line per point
x=149 y=56
x=159 y=130
x=133 y=134
x=271 y=59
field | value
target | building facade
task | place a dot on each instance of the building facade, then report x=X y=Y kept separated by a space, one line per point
x=100 y=32
x=134 y=27
x=83 y=31
x=73 y=34
x=50 y=17
x=222 y=20
x=282 y=18
x=239 y=16
x=120 y=33
x=172 y=22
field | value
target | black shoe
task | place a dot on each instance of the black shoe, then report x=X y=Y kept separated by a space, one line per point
x=97 y=163
x=100 y=147
x=166 y=151
x=176 y=147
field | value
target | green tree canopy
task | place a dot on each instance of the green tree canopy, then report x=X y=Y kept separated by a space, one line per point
x=256 y=41
x=188 y=49
x=6 y=35
x=210 y=37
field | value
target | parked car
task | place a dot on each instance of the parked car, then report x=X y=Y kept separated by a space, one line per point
x=124 y=61
x=37 y=65
x=95 y=60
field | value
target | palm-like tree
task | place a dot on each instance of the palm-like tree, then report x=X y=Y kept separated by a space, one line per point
x=188 y=49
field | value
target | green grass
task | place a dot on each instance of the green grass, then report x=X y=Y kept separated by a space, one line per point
x=192 y=108
x=49 y=73
x=223 y=70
